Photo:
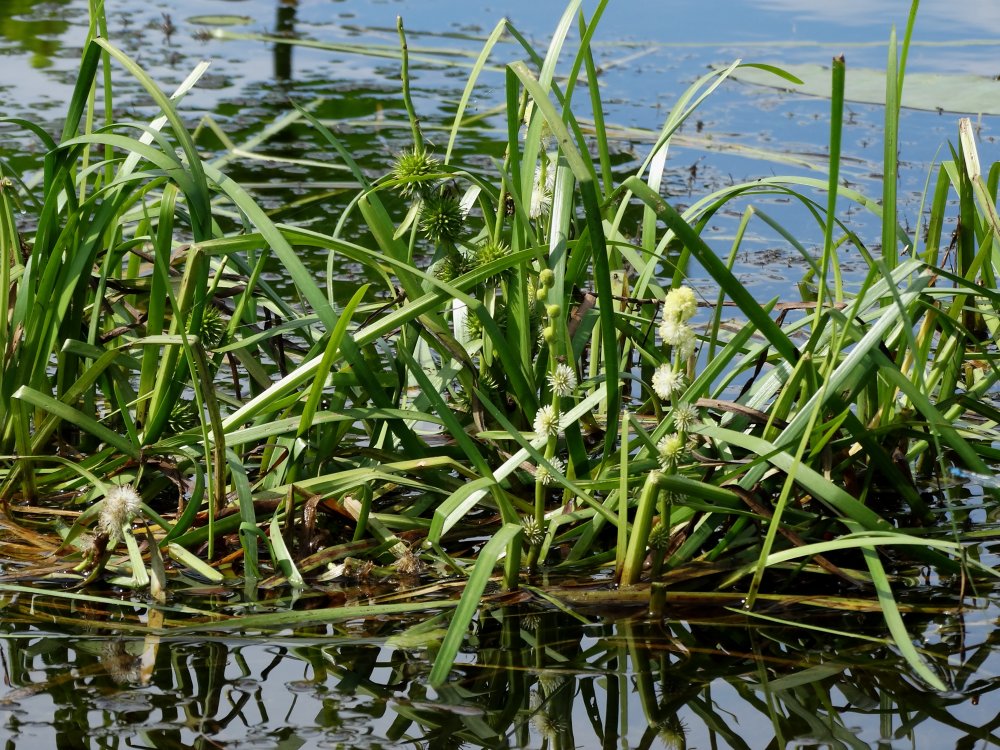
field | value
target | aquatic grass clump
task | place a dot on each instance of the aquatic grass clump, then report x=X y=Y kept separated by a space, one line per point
x=517 y=385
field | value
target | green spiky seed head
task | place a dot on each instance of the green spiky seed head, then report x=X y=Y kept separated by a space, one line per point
x=460 y=401
x=444 y=269
x=474 y=324
x=490 y=252
x=533 y=290
x=671 y=732
x=213 y=328
x=182 y=417
x=473 y=327
x=547 y=278
x=442 y=219
x=549 y=334
x=553 y=311
x=487 y=383
x=412 y=169
x=659 y=537
x=451 y=267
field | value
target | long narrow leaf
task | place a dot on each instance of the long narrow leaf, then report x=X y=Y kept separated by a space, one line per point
x=486 y=561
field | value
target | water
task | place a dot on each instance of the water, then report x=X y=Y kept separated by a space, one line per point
x=648 y=62
x=983 y=480
x=705 y=677
x=700 y=679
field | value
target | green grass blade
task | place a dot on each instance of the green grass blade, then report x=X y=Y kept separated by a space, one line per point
x=77 y=418
x=890 y=156
x=282 y=557
x=469 y=604
x=716 y=268
x=327 y=360
x=199 y=195
x=470 y=84
x=894 y=621
x=836 y=130
x=306 y=618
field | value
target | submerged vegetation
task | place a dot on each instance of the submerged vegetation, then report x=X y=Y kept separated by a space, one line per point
x=526 y=383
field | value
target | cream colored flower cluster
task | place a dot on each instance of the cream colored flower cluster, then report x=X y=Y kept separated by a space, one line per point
x=678 y=308
x=669 y=380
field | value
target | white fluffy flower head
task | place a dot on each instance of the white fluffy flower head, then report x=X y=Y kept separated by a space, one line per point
x=680 y=304
x=679 y=335
x=541 y=192
x=685 y=416
x=685 y=342
x=669 y=450
x=667 y=382
x=547 y=421
x=121 y=505
x=562 y=380
x=678 y=308
x=545 y=476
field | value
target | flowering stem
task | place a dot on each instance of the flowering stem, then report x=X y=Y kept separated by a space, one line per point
x=418 y=140
x=540 y=496
x=622 y=496
x=663 y=510
x=531 y=563
x=539 y=500
x=657 y=563
x=639 y=538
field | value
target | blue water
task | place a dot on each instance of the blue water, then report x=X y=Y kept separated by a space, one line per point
x=650 y=53
x=983 y=480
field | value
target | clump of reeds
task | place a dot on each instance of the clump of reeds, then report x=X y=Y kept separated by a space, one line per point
x=581 y=391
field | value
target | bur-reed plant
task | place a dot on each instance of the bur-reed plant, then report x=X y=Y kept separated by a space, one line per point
x=521 y=382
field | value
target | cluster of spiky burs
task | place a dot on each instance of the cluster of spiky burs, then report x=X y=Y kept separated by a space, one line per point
x=459 y=239
x=441 y=215
x=445 y=204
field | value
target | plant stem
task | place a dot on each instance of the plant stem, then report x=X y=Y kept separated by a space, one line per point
x=418 y=141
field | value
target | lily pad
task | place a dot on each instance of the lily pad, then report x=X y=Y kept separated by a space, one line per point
x=943 y=92
x=220 y=20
